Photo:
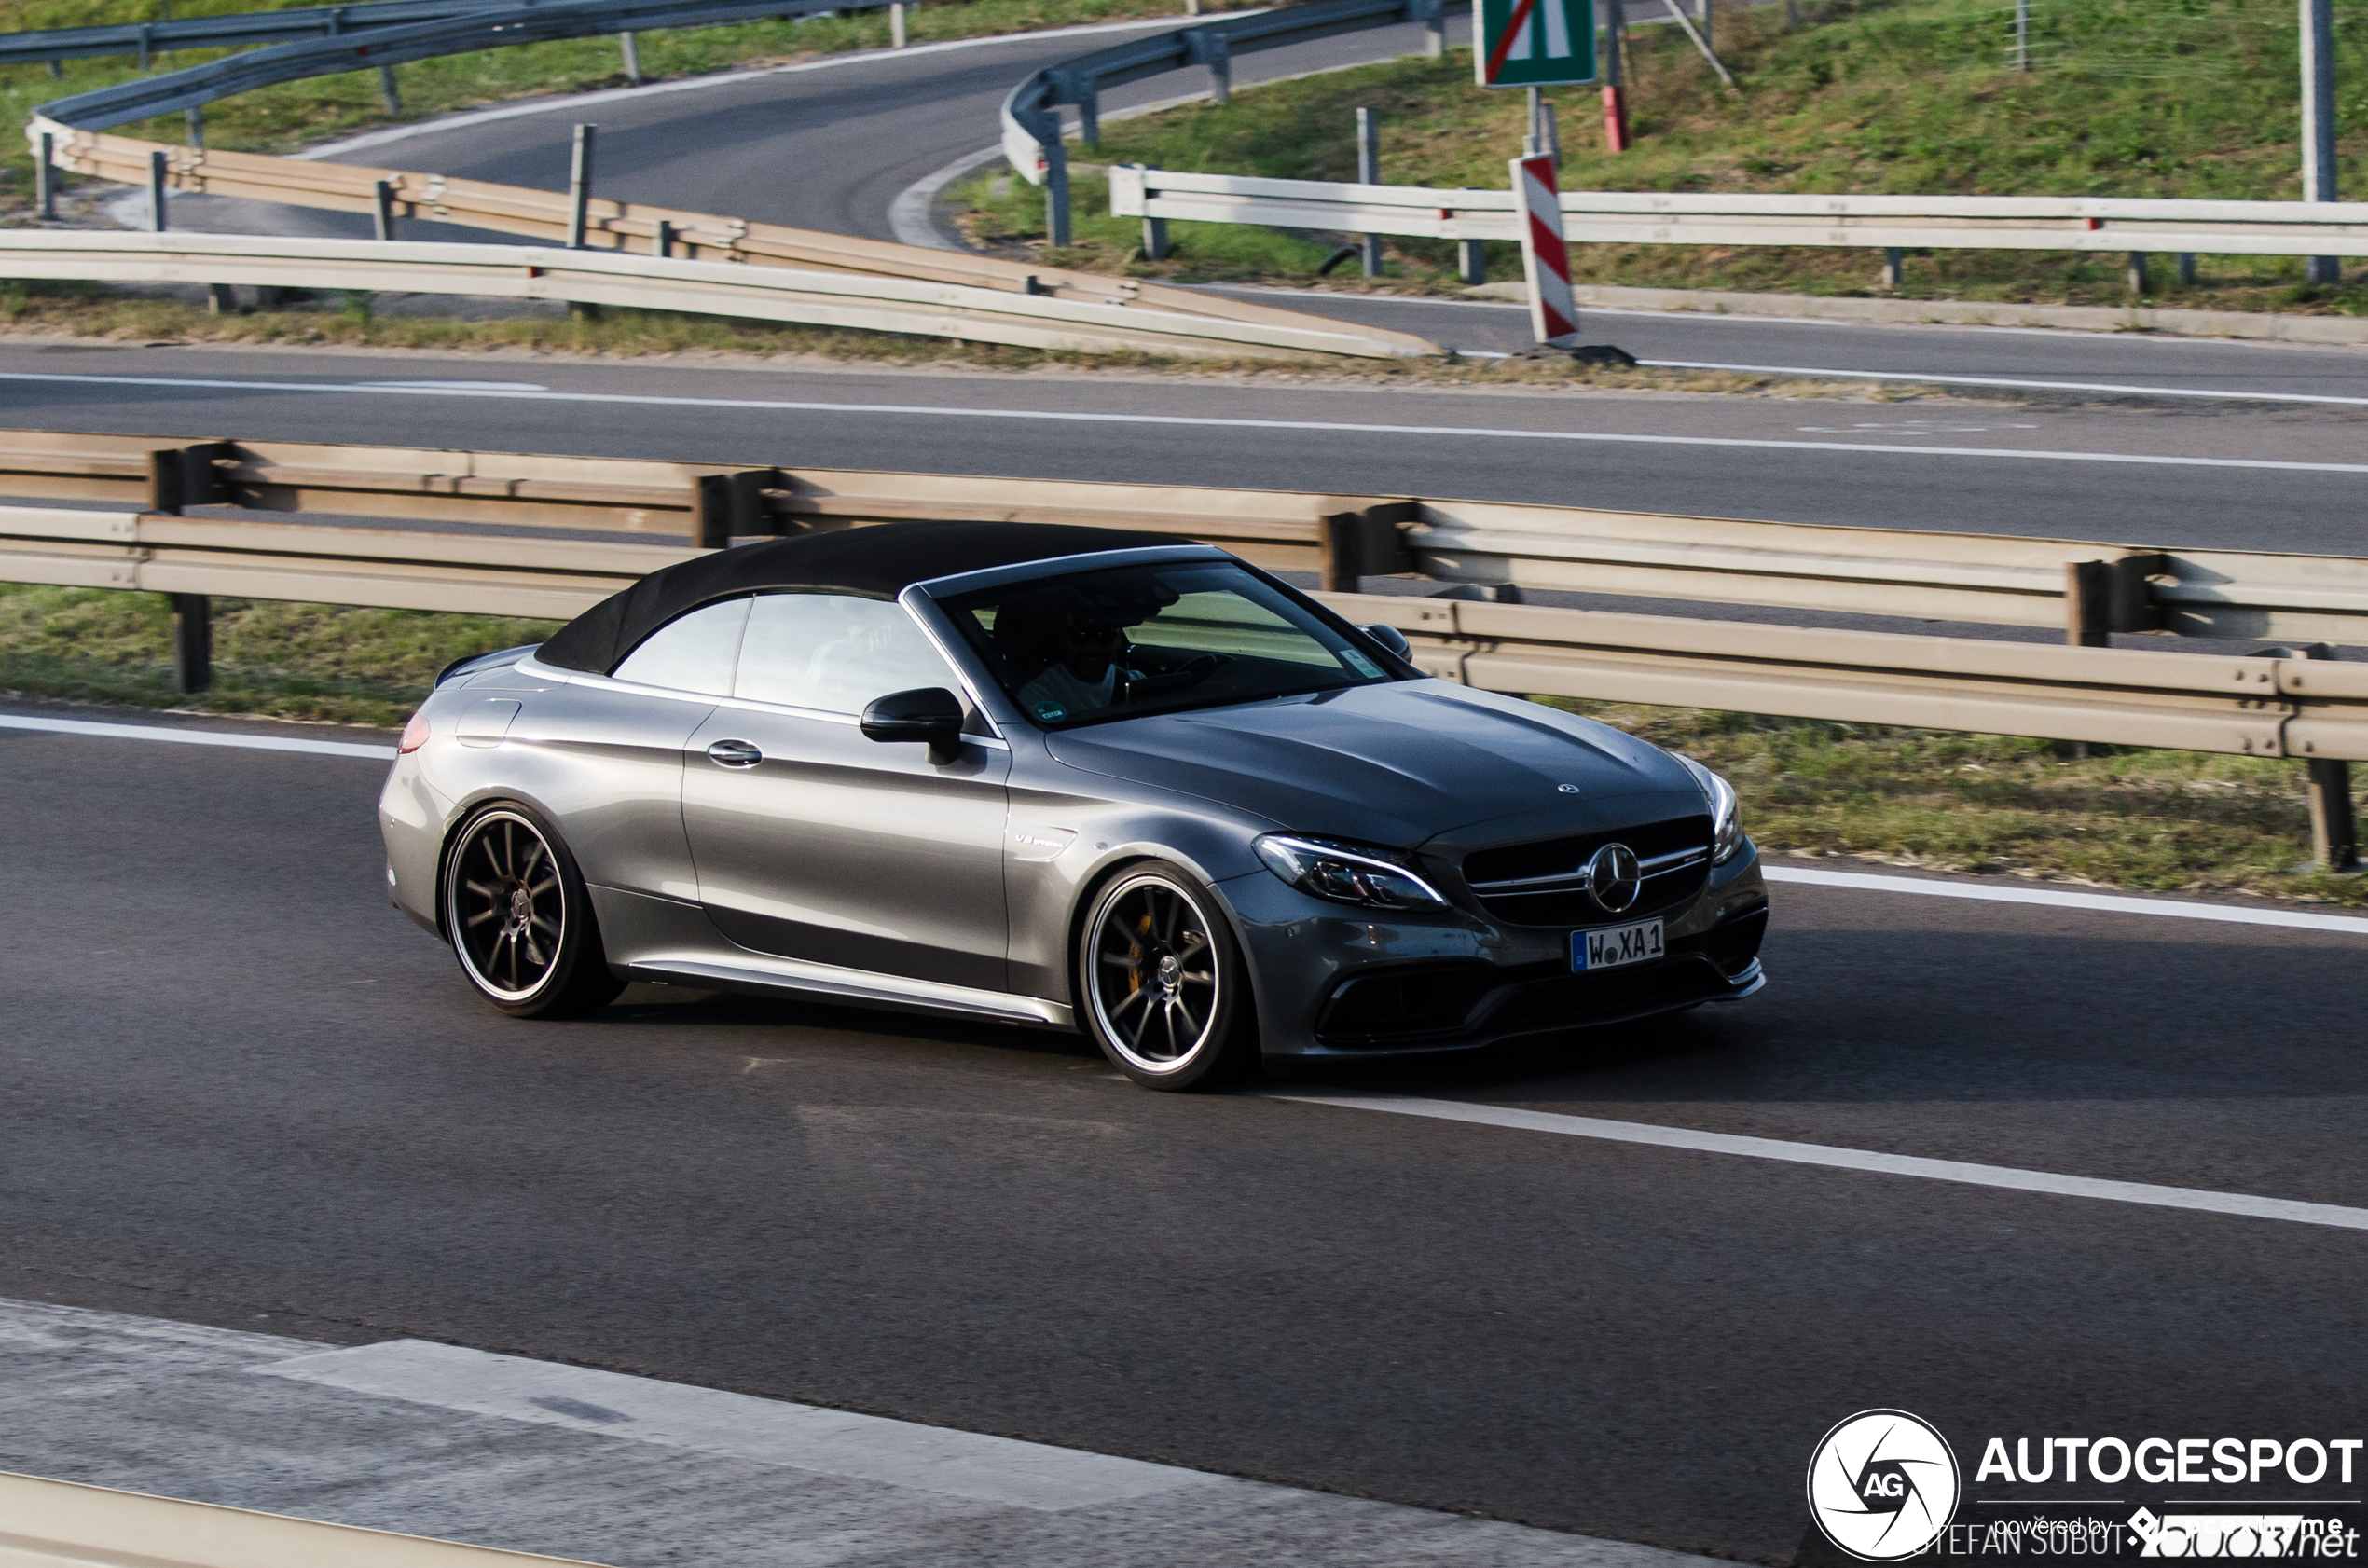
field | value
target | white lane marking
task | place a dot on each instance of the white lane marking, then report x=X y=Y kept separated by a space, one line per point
x=335 y=150
x=197 y=737
x=908 y=216
x=1742 y=318
x=971 y=1464
x=2098 y=904
x=1198 y=421
x=2242 y=1205
x=2003 y=381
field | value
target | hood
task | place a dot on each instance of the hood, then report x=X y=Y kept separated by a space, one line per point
x=1395 y=765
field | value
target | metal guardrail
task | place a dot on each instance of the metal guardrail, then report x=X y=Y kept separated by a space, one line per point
x=2266 y=705
x=634 y=254
x=1031 y=112
x=60 y=1523
x=1653 y=218
x=146 y=38
x=840 y=299
x=462 y=32
x=1994 y=579
x=2262 y=706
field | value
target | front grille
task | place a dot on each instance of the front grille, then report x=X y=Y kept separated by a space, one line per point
x=1496 y=876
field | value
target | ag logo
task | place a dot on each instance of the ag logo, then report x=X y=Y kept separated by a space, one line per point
x=1882 y=1485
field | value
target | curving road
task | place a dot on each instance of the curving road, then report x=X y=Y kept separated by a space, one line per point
x=838 y=144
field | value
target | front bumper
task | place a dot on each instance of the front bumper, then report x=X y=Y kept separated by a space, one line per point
x=1332 y=982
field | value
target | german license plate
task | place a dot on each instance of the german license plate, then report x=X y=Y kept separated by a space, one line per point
x=1614 y=946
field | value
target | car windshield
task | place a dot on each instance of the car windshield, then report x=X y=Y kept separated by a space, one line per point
x=1110 y=644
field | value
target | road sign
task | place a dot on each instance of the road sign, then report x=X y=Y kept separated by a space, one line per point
x=1534 y=43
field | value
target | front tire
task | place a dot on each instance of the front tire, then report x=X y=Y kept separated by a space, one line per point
x=519 y=920
x=1164 y=987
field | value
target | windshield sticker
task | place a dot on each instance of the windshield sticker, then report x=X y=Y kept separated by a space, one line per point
x=1360 y=664
x=1051 y=712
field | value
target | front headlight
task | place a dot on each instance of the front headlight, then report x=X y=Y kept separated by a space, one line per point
x=1355 y=874
x=1727 y=824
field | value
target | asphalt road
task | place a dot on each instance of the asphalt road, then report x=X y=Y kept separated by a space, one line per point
x=832 y=145
x=234 y=1083
x=2189 y=477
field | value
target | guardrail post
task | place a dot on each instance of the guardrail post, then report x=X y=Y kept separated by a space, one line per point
x=157 y=167
x=1368 y=173
x=729 y=505
x=1089 y=115
x=1154 y=239
x=1210 y=49
x=2138 y=280
x=2088 y=604
x=2187 y=267
x=192 y=643
x=193 y=121
x=2319 y=123
x=45 y=177
x=662 y=242
x=2131 y=595
x=388 y=92
x=1366 y=543
x=57 y=71
x=1471 y=259
x=1432 y=14
x=896 y=24
x=1056 y=192
x=580 y=188
x=146 y=33
x=382 y=207
x=1894 y=266
x=2334 y=823
x=184 y=476
x=631 y=47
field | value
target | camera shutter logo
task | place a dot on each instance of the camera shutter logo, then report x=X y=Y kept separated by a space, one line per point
x=1883 y=1485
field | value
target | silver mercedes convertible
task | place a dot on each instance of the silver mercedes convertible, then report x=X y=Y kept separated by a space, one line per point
x=1055 y=777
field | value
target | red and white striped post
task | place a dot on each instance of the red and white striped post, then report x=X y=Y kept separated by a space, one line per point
x=1546 y=261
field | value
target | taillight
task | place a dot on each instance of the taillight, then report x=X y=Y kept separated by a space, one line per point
x=415 y=734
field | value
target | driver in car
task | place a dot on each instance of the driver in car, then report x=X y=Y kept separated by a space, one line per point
x=1085 y=678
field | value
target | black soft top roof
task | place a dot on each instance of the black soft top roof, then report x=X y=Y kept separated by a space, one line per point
x=880 y=561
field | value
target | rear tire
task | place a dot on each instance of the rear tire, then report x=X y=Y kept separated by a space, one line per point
x=519 y=919
x=1162 y=986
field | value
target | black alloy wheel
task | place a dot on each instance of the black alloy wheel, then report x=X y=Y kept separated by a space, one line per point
x=520 y=920
x=1165 y=988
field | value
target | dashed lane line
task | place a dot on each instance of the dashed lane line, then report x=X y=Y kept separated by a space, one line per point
x=2244 y=1205
x=1052 y=415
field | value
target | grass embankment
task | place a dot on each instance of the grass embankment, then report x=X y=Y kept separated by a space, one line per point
x=296 y=114
x=2166 y=820
x=2172 y=98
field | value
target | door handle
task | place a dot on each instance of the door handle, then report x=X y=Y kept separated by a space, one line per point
x=735 y=754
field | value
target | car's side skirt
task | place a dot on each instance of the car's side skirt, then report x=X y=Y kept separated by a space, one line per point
x=765 y=972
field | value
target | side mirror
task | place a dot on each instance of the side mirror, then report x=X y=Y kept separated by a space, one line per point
x=930 y=714
x=1391 y=639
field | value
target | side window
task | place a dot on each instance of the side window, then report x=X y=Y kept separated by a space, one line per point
x=692 y=652
x=834 y=652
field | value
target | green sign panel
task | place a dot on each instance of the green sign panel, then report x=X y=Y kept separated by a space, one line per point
x=1534 y=43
